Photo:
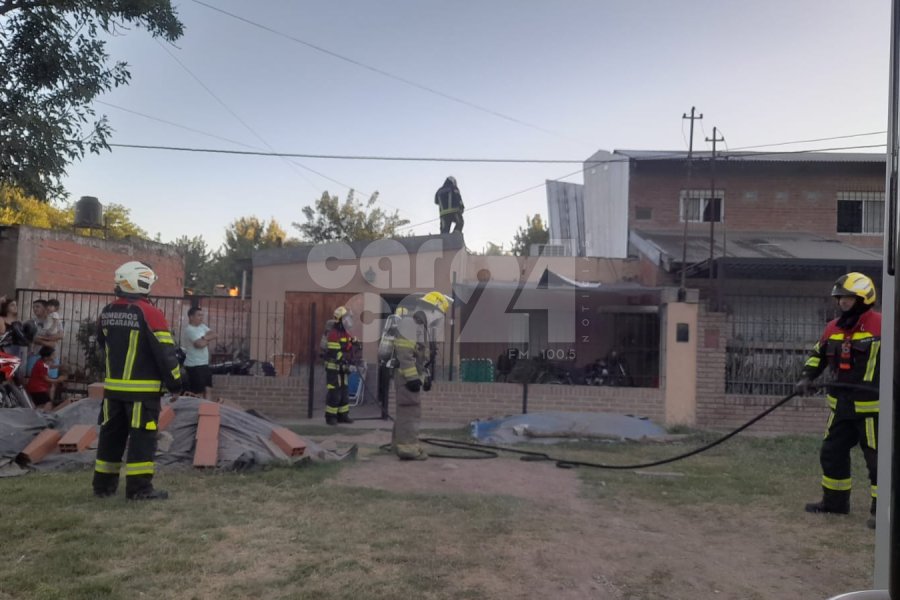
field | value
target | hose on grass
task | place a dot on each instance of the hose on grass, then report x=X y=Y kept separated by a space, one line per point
x=533 y=456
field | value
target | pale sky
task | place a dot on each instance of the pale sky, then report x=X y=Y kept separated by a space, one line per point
x=553 y=80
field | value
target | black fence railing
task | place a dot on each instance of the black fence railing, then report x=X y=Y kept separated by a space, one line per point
x=77 y=352
x=769 y=339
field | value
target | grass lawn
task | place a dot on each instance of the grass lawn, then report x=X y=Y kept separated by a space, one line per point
x=296 y=533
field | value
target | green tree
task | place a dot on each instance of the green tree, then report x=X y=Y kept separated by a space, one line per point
x=332 y=221
x=242 y=237
x=17 y=208
x=53 y=64
x=534 y=232
x=492 y=249
x=198 y=262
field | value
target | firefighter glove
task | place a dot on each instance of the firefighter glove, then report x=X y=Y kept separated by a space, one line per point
x=427 y=385
x=414 y=385
x=803 y=387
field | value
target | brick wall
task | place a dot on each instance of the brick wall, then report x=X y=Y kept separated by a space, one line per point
x=720 y=411
x=798 y=415
x=286 y=398
x=59 y=260
x=758 y=196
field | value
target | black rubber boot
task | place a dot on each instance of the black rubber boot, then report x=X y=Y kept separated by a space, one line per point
x=344 y=418
x=331 y=420
x=832 y=502
x=870 y=523
x=105 y=484
x=149 y=495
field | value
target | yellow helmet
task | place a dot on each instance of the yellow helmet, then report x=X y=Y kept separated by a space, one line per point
x=438 y=300
x=340 y=312
x=855 y=284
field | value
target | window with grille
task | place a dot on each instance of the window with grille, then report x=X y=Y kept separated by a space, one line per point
x=860 y=212
x=700 y=206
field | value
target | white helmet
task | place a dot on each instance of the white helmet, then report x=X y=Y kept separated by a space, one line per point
x=135 y=277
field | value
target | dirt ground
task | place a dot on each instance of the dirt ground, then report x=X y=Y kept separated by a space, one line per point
x=627 y=547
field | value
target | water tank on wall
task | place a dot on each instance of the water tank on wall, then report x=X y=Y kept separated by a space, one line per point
x=88 y=213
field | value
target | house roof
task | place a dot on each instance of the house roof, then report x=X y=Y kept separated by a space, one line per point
x=354 y=250
x=774 y=156
x=751 y=247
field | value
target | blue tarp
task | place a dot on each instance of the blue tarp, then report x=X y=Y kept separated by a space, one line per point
x=553 y=427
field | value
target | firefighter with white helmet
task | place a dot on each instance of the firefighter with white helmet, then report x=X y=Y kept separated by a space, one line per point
x=850 y=347
x=140 y=364
x=340 y=353
x=414 y=353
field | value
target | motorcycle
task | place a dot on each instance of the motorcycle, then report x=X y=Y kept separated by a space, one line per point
x=237 y=366
x=12 y=395
x=608 y=371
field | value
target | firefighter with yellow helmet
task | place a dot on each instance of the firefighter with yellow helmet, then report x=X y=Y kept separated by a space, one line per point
x=414 y=353
x=340 y=354
x=850 y=348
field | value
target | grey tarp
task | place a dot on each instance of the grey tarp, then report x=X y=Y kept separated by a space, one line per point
x=241 y=437
x=552 y=427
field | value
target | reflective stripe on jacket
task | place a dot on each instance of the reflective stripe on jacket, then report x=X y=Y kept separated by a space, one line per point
x=853 y=356
x=140 y=351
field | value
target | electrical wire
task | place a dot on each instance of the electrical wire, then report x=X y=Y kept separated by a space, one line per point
x=234 y=114
x=387 y=74
x=447 y=159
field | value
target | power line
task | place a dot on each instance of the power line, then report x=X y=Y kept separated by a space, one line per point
x=387 y=74
x=350 y=156
x=826 y=139
x=213 y=135
x=447 y=159
x=231 y=112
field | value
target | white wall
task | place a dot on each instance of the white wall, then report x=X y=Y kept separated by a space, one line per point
x=606 y=205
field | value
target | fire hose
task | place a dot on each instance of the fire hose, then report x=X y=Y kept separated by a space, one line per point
x=490 y=451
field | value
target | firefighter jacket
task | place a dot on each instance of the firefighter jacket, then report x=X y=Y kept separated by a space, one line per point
x=411 y=349
x=340 y=349
x=448 y=199
x=140 y=351
x=853 y=356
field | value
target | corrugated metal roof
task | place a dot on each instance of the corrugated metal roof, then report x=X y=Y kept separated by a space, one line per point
x=774 y=156
x=666 y=247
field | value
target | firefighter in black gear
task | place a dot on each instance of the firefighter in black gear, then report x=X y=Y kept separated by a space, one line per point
x=340 y=353
x=140 y=361
x=450 y=205
x=850 y=347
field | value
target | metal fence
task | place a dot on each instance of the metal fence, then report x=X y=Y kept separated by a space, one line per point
x=769 y=339
x=229 y=317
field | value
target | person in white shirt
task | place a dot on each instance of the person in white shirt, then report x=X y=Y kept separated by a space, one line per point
x=195 y=341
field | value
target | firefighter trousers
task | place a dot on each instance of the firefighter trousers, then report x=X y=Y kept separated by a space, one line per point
x=405 y=436
x=132 y=424
x=841 y=435
x=455 y=219
x=337 y=399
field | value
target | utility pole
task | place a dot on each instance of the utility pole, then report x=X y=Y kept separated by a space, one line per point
x=710 y=203
x=682 y=290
